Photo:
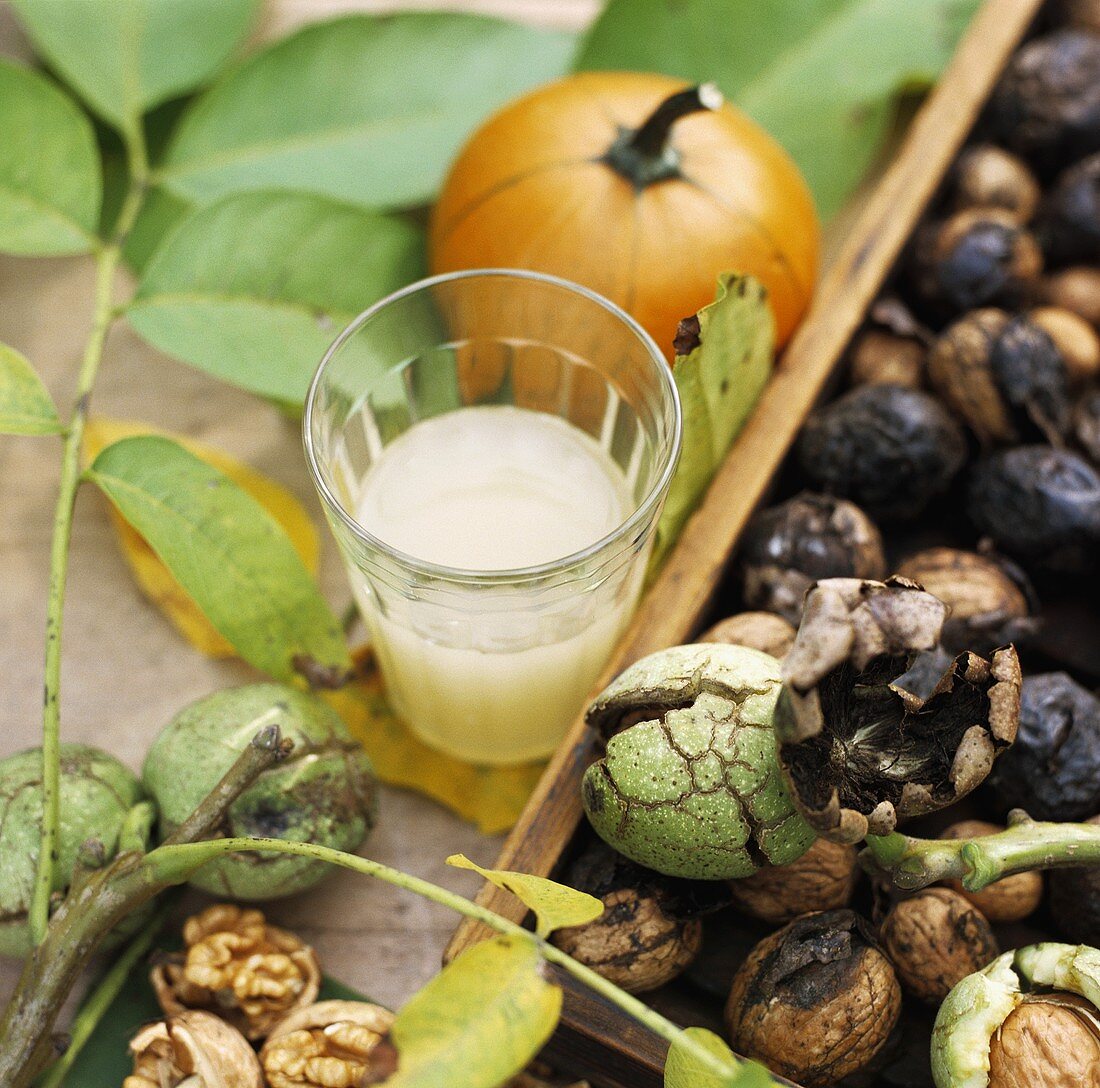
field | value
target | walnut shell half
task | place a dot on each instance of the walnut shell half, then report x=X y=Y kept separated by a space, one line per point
x=816 y=1000
x=195 y=1048
x=866 y=737
x=238 y=967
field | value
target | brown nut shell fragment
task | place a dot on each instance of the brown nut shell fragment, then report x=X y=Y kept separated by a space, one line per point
x=822 y=879
x=1076 y=289
x=1076 y=340
x=987 y=176
x=881 y=357
x=867 y=734
x=1008 y=900
x=763 y=631
x=329 y=1044
x=816 y=1000
x=235 y=965
x=195 y=1048
x=935 y=939
x=1052 y=1040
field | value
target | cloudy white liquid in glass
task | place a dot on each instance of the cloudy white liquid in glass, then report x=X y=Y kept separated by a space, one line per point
x=482 y=489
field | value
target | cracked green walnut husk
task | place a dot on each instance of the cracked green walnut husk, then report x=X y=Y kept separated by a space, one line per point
x=103 y=810
x=325 y=792
x=690 y=785
x=1028 y=1018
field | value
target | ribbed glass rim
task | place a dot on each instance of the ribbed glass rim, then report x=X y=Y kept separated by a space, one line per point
x=642 y=510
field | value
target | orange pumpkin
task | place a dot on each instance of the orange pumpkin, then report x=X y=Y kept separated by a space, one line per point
x=637 y=188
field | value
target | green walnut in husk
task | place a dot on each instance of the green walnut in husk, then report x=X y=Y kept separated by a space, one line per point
x=325 y=792
x=689 y=784
x=868 y=737
x=102 y=804
x=1029 y=1018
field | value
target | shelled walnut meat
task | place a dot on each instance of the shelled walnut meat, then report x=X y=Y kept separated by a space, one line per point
x=235 y=965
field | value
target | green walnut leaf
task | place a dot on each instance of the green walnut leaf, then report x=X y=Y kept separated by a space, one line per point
x=555 y=905
x=820 y=75
x=254 y=288
x=684 y=1070
x=719 y=379
x=50 y=184
x=125 y=56
x=369 y=110
x=229 y=554
x=479 y=1022
x=25 y=405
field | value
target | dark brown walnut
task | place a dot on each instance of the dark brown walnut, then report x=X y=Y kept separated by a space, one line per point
x=1009 y=900
x=1049 y=1041
x=649 y=932
x=786 y=548
x=934 y=939
x=1047 y=104
x=1039 y=504
x=816 y=1000
x=987 y=176
x=822 y=879
x=764 y=631
x=1076 y=289
x=330 y=1044
x=973 y=258
x=1003 y=375
x=1075 y=901
x=887 y=448
x=989 y=599
x=235 y=965
x=1053 y=770
x=1075 y=339
x=859 y=748
x=1086 y=424
x=1068 y=227
x=882 y=357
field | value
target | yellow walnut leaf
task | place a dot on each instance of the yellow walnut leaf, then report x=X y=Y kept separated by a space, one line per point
x=490 y=797
x=152 y=576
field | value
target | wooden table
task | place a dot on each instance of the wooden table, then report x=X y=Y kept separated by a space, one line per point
x=126 y=672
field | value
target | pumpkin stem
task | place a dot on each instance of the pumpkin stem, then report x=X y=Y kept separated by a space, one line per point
x=643 y=155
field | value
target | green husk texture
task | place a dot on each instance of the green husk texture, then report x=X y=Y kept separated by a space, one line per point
x=694 y=789
x=97 y=792
x=325 y=792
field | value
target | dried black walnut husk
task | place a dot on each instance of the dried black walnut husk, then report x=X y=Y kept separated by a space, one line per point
x=1075 y=901
x=1069 y=226
x=815 y=1001
x=1047 y=105
x=1086 y=424
x=1039 y=504
x=987 y=176
x=888 y=449
x=788 y=547
x=1003 y=375
x=858 y=750
x=1053 y=770
x=975 y=257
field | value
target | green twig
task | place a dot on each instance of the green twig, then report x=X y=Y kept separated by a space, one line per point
x=915 y=863
x=106 y=263
x=175 y=863
x=103 y=995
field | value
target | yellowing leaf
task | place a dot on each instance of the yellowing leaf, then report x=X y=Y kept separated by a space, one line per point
x=25 y=405
x=154 y=578
x=555 y=905
x=479 y=1022
x=490 y=797
x=684 y=1070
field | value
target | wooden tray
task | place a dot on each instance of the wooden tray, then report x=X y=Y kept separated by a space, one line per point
x=595 y=1040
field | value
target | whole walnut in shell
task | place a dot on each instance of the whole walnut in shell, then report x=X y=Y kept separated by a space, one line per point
x=816 y=1000
x=1076 y=340
x=192 y=1050
x=822 y=879
x=788 y=547
x=987 y=176
x=934 y=939
x=330 y=1044
x=1010 y=899
x=763 y=631
x=237 y=966
x=1053 y=1041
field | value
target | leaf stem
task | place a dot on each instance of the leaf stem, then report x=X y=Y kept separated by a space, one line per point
x=106 y=263
x=913 y=863
x=172 y=863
